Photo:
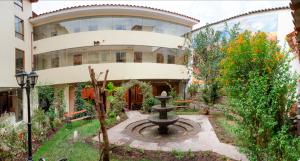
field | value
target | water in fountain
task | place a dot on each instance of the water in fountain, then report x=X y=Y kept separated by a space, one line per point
x=163 y=119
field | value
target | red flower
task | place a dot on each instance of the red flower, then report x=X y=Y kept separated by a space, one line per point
x=88 y=93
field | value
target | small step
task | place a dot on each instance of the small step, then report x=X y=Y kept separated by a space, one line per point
x=138 y=128
x=184 y=125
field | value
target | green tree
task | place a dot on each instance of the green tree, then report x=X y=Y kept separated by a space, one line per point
x=207 y=56
x=261 y=89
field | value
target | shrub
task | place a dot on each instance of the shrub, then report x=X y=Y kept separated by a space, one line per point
x=12 y=141
x=148 y=103
x=262 y=90
x=40 y=125
x=82 y=102
x=118 y=100
x=60 y=104
x=193 y=89
x=51 y=116
x=46 y=96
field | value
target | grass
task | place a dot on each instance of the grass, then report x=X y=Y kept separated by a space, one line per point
x=187 y=111
x=225 y=127
x=61 y=145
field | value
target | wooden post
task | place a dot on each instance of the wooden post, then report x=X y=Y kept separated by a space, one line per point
x=100 y=108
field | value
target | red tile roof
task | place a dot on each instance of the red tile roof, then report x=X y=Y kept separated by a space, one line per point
x=244 y=14
x=32 y=1
x=118 y=5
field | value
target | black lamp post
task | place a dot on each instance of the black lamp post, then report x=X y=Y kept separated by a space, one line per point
x=27 y=81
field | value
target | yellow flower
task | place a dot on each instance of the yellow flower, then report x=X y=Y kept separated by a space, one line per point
x=240 y=39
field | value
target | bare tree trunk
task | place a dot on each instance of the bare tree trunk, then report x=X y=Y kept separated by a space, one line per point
x=100 y=108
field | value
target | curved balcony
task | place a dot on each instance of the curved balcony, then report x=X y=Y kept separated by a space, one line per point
x=107 y=37
x=117 y=71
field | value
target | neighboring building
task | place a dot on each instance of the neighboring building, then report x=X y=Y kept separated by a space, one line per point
x=294 y=41
x=15 y=54
x=276 y=22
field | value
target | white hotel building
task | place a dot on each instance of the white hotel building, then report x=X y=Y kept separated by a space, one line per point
x=133 y=42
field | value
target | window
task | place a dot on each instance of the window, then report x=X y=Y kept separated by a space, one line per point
x=19 y=28
x=121 y=56
x=138 y=57
x=19 y=60
x=53 y=34
x=77 y=59
x=137 y=28
x=93 y=28
x=55 y=61
x=108 y=23
x=93 y=57
x=171 y=59
x=159 y=58
x=104 y=56
x=19 y=4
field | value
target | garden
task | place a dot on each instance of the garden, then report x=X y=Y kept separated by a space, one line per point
x=247 y=100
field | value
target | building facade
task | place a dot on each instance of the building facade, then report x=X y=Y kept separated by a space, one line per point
x=132 y=42
x=15 y=54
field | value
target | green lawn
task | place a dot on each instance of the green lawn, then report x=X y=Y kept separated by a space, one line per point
x=224 y=127
x=187 y=111
x=61 y=144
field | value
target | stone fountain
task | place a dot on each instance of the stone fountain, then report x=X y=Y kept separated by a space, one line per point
x=163 y=119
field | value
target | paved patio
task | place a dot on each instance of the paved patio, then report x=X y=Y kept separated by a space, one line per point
x=205 y=140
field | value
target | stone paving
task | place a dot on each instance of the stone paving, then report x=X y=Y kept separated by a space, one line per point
x=205 y=140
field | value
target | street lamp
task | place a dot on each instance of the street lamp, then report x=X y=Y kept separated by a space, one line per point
x=27 y=81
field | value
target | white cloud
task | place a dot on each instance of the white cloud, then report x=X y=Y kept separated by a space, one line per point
x=205 y=11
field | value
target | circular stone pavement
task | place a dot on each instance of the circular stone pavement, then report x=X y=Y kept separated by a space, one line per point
x=146 y=131
x=202 y=138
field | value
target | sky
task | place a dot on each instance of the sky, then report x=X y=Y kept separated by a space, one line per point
x=204 y=10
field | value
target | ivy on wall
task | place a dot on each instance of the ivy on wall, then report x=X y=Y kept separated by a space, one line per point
x=80 y=102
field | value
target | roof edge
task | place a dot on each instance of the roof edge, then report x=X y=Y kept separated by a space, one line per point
x=243 y=14
x=116 y=5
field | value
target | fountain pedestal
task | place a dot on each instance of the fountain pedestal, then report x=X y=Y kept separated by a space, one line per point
x=163 y=120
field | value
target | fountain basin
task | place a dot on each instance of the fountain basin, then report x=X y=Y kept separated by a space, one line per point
x=144 y=130
x=163 y=122
x=158 y=108
x=163 y=97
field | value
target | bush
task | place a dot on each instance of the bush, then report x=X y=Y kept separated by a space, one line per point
x=51 y=116
x=193 y=89
x=118 y=100
x=60 y=104
x=148 y=103
x=257 y=78
x=40 y=125
x=12 y=141
x=46 y=96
